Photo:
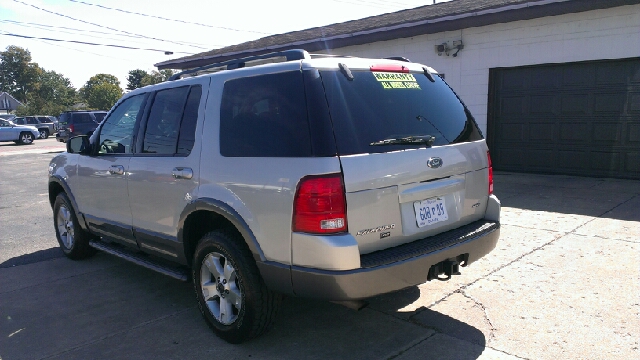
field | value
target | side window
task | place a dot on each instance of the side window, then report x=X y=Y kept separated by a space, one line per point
x=265 y=116
x=32 y=121
x=82 y=118
x=116 y=134
x=163 y=125
x=189 y=120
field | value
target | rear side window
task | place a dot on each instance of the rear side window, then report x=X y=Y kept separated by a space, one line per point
x=265 y=116
x=187 y=135
x=377 y=106
x=44 y=119
x=32 y=121
x=82 y=118
x=171 y=126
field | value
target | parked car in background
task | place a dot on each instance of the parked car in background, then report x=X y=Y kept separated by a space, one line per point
x=20 y=134
x=72 y=123
x=51 y=121
x=7 y=116
x=43 y=124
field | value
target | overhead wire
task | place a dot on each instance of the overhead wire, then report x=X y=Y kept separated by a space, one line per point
x=53 y=28
x=168 y=19
x=106 y=27
x=95 y=44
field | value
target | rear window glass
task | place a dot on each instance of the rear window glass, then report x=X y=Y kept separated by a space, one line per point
x=265 y=116
x=99 y=116
x=64 y=118
x=163 y=125
x=377 y=106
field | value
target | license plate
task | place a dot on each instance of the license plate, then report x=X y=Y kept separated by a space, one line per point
x=430 y=211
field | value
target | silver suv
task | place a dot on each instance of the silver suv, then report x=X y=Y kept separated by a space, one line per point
x=334 y=178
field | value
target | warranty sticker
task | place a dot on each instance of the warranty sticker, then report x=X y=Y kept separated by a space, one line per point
x=396 y=80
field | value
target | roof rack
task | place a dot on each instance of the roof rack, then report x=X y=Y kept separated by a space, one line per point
x=290 y=55
x=399 y=58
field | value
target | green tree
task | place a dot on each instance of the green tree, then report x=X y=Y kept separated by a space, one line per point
x=101 y=91
x=52 y=95
x=156 y=77
x=18 y=75
x=134 y=80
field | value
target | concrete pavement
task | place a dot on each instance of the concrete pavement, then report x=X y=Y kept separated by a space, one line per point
x=564 y=282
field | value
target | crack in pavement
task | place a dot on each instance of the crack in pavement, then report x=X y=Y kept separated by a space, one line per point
x=411 y=346
x=484 y=310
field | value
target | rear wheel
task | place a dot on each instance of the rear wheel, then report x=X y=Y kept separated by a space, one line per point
x=25 y=138
x=232 y=296
x=73 y=241
x=44 y=133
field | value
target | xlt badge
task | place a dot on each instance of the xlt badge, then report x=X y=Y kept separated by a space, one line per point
x=375 y=230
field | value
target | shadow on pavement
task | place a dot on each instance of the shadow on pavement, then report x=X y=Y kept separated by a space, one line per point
x=40 y=255
x=603 y=197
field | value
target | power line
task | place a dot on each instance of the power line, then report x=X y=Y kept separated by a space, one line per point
x=45 y=26
x=106 y=27
x=94 y=44
x=163 y=18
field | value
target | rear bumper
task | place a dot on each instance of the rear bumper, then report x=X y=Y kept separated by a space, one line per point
x=387 y=270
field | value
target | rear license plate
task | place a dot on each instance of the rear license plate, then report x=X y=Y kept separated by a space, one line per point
x=430 y=211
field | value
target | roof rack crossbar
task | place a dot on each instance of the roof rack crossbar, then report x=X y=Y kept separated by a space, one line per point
x=294 y=54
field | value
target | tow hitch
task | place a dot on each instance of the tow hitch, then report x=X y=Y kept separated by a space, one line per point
x=448 y=268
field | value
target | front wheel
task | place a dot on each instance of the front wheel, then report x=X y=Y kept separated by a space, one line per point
x=25 y=138
x=73 y=240
x=232 y=296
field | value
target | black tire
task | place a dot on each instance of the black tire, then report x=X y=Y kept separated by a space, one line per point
x=25 y=138
x=73 y=240
x=258 y=306
x=44 y=133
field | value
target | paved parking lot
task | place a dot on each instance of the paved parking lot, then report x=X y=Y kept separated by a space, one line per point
x=563 y=283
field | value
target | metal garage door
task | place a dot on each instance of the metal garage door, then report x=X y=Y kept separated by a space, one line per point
x=577 y=118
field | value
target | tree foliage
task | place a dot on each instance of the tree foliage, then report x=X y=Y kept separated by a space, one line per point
x=134 y=80
x=101 y=91
x=18 y=75
x=51 y=95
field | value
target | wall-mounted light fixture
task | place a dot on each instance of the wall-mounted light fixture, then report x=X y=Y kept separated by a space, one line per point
x=445 y=49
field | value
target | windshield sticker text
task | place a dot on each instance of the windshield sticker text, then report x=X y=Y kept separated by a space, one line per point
x=396 y=80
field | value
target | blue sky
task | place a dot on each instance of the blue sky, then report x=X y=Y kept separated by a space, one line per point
x=226 y=24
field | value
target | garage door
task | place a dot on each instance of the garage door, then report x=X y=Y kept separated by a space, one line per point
x=576 y=119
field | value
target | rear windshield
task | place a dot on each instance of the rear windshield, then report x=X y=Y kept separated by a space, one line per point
x=99 y=116
x=378 y=106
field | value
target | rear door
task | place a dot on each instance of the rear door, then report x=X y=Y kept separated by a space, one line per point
x=413 y=159
x=164 y=172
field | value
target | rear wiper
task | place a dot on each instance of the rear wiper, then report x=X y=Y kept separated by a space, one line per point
x=409 y=140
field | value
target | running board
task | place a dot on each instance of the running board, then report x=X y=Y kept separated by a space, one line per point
x=175 y=271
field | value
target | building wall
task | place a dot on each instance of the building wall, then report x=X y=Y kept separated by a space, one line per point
x=594 y=35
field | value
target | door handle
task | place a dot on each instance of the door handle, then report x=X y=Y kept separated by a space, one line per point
x=182 y=173
x=116 y=170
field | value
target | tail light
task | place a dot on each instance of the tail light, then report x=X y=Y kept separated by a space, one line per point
x=70 y=129
x=490 y=174
x=319 y=206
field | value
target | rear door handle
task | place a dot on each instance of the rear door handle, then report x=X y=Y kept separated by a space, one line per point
x=182 y=173
x=116 y=170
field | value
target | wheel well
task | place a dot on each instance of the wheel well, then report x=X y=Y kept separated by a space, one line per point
x=54 y=190
x=197 y=225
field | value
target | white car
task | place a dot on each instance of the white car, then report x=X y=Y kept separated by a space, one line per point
x=20 y=134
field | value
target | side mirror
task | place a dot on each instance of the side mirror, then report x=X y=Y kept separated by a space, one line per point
x=79 y=145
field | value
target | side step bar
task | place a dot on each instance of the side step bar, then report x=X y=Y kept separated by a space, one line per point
x=175 y=272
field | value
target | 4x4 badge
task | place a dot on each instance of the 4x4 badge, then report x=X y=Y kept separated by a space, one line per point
x=434 y=162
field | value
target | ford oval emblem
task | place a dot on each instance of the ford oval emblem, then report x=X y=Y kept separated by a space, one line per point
x=434 y=162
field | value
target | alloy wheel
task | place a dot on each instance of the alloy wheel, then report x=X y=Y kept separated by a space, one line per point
x=220 y=289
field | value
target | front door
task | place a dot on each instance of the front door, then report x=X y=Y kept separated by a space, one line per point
x=102 y=177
